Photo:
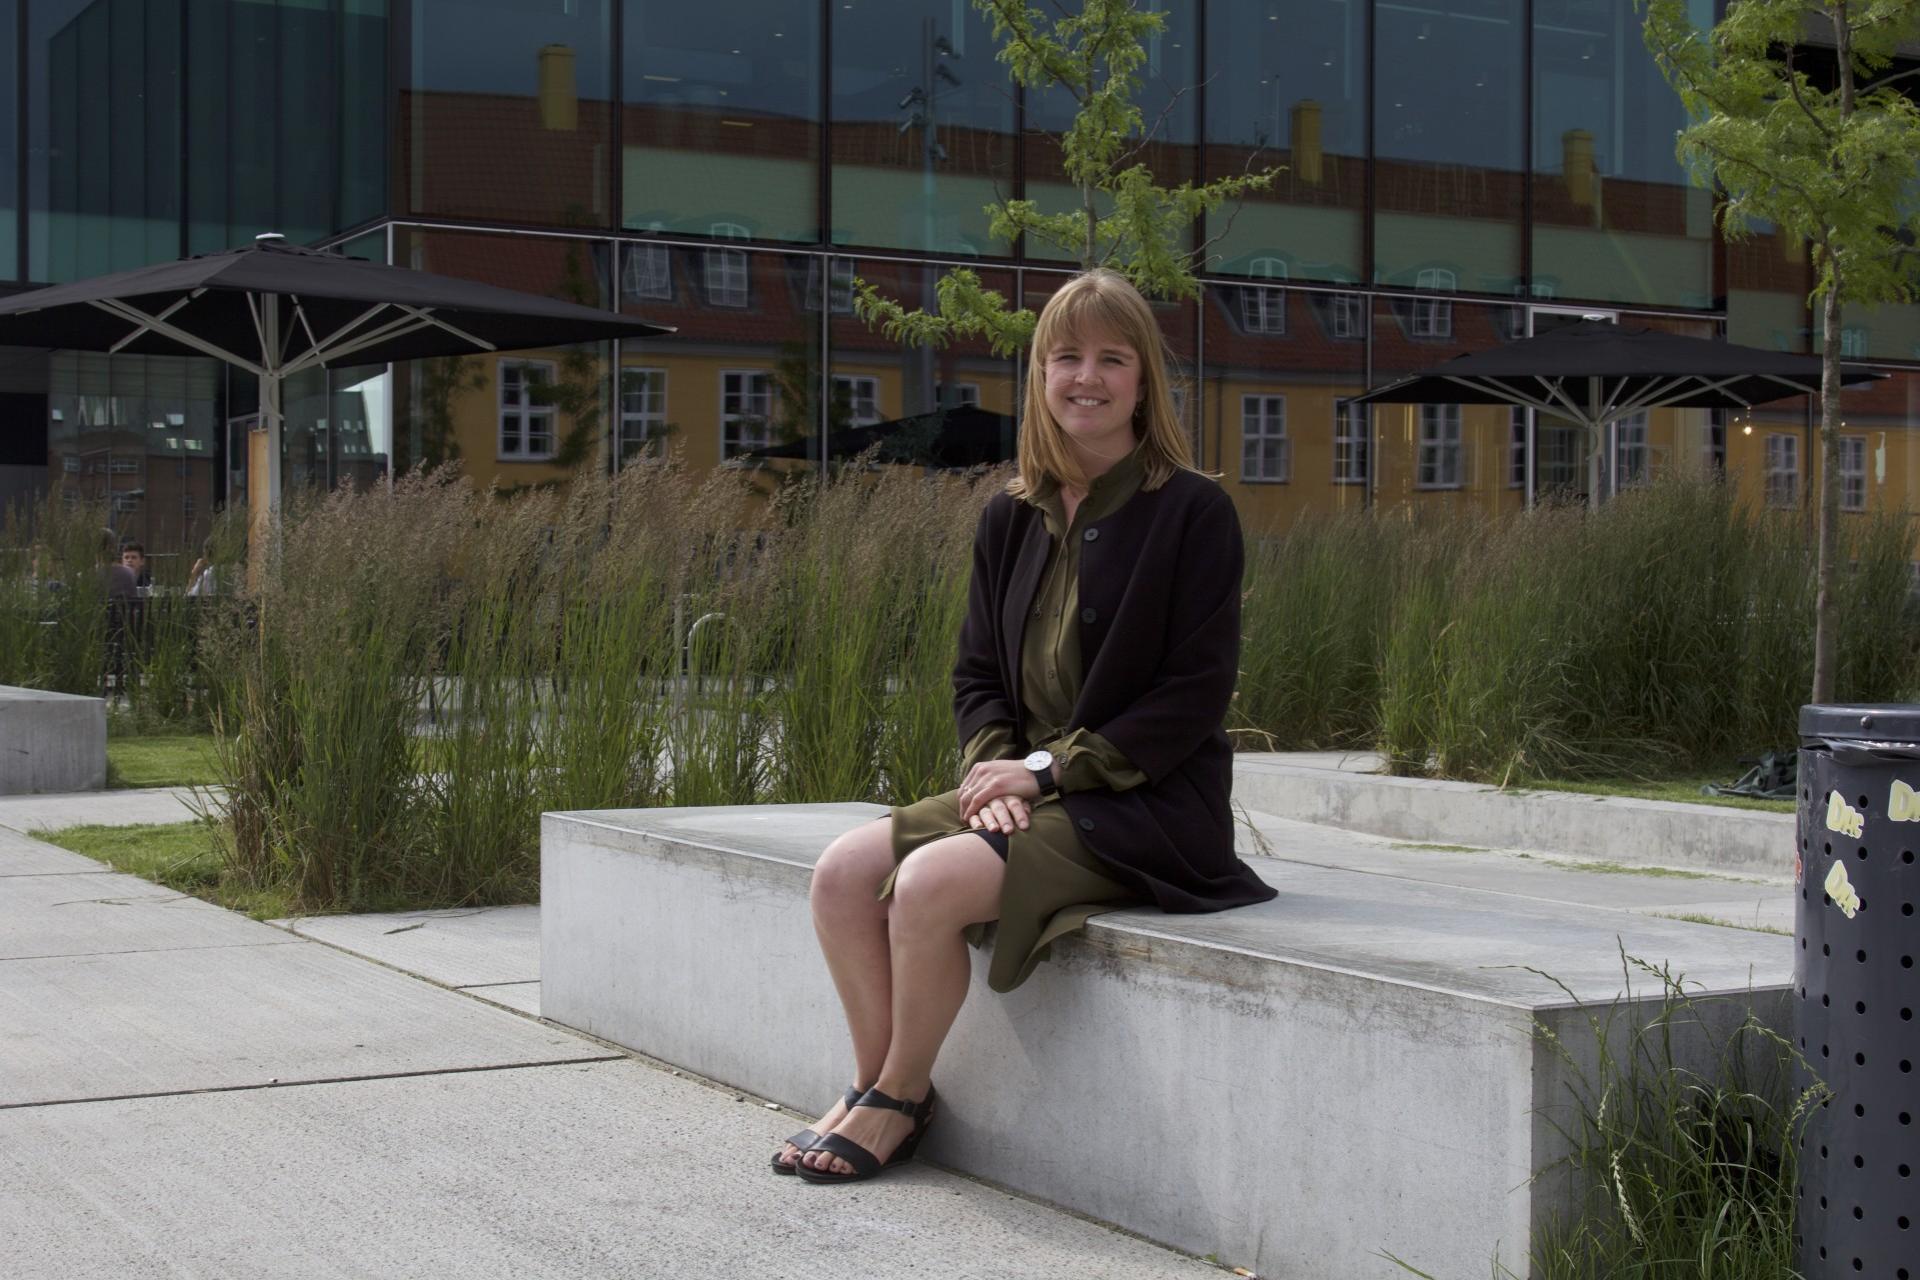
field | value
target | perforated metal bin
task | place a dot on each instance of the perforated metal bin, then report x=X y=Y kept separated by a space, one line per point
x=1856 y=935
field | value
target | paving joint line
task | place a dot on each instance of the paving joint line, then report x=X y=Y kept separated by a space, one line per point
x=300 y=1084
x=154 y=951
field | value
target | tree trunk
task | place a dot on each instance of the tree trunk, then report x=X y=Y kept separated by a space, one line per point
x=1825 y=606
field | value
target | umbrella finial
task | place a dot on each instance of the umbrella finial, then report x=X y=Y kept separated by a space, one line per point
x=269 y=238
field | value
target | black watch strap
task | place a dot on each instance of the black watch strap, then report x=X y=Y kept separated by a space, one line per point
x=1048 y=787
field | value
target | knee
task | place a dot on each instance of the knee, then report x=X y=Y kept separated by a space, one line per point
x=846 y=873
x=922 y=899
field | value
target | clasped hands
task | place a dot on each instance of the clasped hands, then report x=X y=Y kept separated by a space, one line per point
x=998 y=795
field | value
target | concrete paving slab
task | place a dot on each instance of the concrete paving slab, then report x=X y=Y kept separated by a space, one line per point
x=607 y=1170
x=521 y=997
x=464 y=947
x=51 y=741
x=114 y=1025
x=69 y=915
x=27 y=814
x=23 y=856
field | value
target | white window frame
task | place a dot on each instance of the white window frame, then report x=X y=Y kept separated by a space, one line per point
x=1265 y=455
x=1433 y=317
x=646 y=423
x=1783 y=469
x=1853 y=473
x=646 y=270
x=1352 y=452
x=1853 y=342
x=725 y=270
x=1441 y=454
x=1263 y=309
x=742 y=429
x=1517 y=461
x=531 y=421
x=1347 y=315
x=1632 y=455
x=839 y=285
x=863 y=397
x=1713 y=449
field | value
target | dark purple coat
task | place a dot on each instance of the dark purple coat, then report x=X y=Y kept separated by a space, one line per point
x=1160 y=648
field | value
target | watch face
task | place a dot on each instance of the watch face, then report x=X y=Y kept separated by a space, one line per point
x=1040 y=760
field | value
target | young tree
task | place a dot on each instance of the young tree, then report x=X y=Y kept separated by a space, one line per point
x=1829 y=155
x=1125 y=221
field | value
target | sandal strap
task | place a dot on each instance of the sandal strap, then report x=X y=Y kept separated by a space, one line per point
x=886 y=1102
x=865 y=1163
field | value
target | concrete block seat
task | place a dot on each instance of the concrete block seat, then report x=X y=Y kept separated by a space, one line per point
x=51 y=743
x=1293 y=1087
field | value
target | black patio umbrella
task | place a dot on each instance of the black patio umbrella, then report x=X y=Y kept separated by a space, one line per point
x=1597 y=373
x=963 y=436
x=276 y=310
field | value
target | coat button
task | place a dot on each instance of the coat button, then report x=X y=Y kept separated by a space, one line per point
x=1092 y=535
x=1086 y=824
x=1088 y=615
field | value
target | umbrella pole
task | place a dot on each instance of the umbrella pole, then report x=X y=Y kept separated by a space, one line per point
x=263 y=452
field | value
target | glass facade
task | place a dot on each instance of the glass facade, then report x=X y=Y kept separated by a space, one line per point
x=1454 y=175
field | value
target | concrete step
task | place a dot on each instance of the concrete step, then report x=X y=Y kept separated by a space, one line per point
x=1336 y=791
x=1346 y=1070
x=51 y=742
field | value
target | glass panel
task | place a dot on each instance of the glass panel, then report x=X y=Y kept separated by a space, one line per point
x=1286 y=84
x=362 y=425
x=1768 y=282
x=1615 y=217
x=721 y=122
x=286 y=126
x=1442 y=457
x=9 y=142
x=1166 y=98
x=1448 y=111
x=103 y=86
x=521 y=417
x=505 y=111
x=923 y=126
x=138 y=432
x=1303 y=367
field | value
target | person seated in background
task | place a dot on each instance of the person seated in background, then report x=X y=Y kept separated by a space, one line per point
x=134 y=556
x=116 y=579
x=200 y=579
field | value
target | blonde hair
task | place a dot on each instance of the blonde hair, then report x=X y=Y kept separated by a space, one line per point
x=1098 y=302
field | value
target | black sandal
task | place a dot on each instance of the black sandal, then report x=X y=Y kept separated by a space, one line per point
x=803 y=1141
x=865 y=1163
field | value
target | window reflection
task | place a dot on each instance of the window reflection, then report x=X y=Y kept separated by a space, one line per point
x=923 y=126
x=1449 y=152
x=721 y=119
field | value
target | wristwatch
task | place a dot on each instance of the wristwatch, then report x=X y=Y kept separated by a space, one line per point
x=1041 y=763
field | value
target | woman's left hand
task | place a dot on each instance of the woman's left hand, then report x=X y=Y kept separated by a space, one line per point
x=991 y=779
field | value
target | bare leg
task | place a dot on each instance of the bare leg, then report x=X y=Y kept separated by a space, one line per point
x=852 y=926
x=943 y=887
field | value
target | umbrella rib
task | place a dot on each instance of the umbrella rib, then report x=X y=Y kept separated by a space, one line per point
x=346 y=328
x=259 y=330
x=117 y=347
x=125 y=311
x=1512 y=394
x=391 y=329
x=426 y=314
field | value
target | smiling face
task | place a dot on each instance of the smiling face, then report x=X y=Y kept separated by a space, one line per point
x=1093 y=388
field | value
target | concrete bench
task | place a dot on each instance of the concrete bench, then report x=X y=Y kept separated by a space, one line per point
x=1294 y=1087
x=51 y=743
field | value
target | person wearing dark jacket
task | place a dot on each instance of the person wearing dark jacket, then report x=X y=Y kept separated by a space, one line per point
x=1096 y=663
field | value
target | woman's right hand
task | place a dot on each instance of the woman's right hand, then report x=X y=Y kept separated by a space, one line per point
x=1002 y=813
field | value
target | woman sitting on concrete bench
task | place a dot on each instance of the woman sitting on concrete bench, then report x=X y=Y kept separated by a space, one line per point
x=1096 y=663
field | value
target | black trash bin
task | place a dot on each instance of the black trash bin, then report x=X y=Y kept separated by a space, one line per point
x=1856 y=937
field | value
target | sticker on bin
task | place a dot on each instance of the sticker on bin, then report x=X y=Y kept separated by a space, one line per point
x=1903 y=805
x=1840 y=889
x=1843 y=817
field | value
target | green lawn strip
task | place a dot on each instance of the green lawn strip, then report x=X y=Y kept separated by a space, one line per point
x=1692 y=918
x=162 y=760
x=180 y=855
x=1684 y=790
x=1441 y=848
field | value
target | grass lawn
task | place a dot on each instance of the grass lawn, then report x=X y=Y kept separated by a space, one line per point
x=179 y=855
x=1685 y=790
x=161 y=760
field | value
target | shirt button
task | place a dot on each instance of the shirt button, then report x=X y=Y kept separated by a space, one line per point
x=1088 y=615
x=1092 y=535
x=1086 y=824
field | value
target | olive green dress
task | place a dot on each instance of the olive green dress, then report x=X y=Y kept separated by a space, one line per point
x=1053 y=884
